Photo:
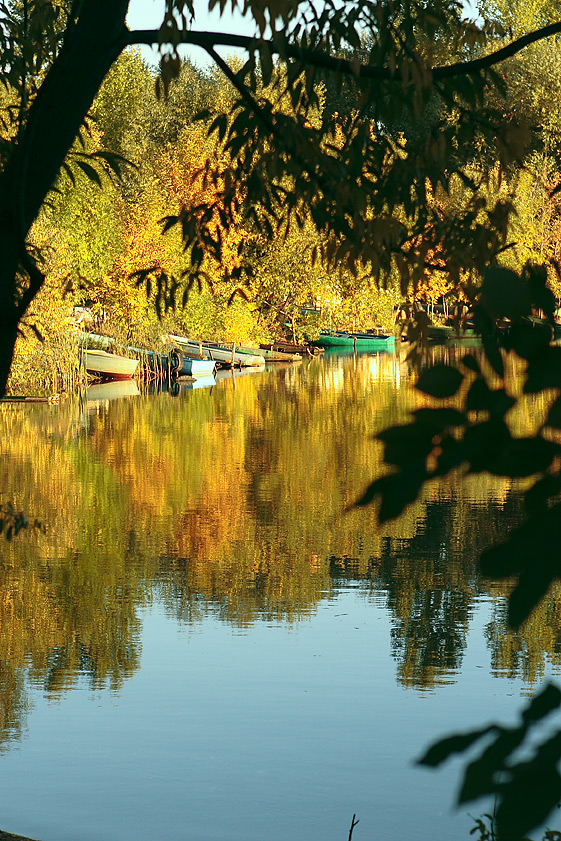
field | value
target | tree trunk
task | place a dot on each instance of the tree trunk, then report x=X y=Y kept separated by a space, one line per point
x=90 y=48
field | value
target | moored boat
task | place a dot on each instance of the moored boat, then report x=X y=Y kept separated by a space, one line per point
x=181 y=365
x=109 y=366
x=217 y=352
x=360 y=341
x=280 y=346
x=272 y=355
x=445 y=333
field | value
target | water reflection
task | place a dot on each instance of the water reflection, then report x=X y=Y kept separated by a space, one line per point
x=230 y=500
x=115 y=390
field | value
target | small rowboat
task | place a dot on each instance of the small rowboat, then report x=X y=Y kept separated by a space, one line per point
x=215 y=351
x=185 y=366
x=360 y=341
x=272 y=355
x=288 y=348
x=109 y=366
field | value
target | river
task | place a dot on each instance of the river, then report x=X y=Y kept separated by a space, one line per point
x=206 y=644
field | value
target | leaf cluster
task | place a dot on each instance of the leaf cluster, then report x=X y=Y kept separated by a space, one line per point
x=31 y=34
x=475 y=434
x=526 y=788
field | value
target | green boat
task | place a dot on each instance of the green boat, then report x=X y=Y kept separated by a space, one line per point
x=445 y=333
x=358 y=341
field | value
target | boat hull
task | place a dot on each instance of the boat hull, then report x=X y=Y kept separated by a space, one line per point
x=360 y=341
x=199 y=367
x=182 y=365
x=287 y=348
x=272 y=355
x=109 y=366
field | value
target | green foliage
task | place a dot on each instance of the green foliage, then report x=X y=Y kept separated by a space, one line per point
x=526 y=789
x=477 y=434
x=519 y=16
x=487 y=829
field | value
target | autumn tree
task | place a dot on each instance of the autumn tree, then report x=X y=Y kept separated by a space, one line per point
x=55 y=55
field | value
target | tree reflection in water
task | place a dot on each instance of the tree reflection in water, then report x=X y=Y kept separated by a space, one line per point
x=232 y=500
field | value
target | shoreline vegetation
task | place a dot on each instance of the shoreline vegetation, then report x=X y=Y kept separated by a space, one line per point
x=109 y=249
x=106 y=246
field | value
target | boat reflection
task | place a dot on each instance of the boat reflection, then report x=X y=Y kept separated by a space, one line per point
x=232 y=374
x=180 y=387
x=114 y=390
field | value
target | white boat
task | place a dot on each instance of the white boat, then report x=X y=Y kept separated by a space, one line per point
x=217 y=352
x=109 y=365
x=181 y=365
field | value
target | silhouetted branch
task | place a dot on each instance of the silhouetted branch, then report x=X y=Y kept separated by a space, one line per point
x=210 y=40
x=354 y=822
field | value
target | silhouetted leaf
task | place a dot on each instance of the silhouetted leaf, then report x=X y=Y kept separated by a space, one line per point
x=452 y=454
x=528 y=339
x=531 y=795
x=524 y=457
x=546 y=701
x=554 y=414
x=510 y=557
x=504 y=294
x=471 y=363
x=493 y=352
x=368 y=496
x=442 y=750
x=484 y=441
x=545 y=372
x=440 y=381
x=479 y=396
x=397 y=491
x=531 y=552
x=406 y=443
x=89 y=171
x=439 y=419
x=542 y=297
x=526 y=791
x=536 y=497
x=533 y=584
x=479 y=776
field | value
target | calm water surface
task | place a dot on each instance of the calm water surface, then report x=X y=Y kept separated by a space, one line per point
x=205 y=646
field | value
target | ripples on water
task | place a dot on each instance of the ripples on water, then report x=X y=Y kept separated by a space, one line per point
x=204 y=645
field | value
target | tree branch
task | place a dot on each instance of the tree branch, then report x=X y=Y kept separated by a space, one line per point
x=243 y=92
x=463 y=68
x=210 y=40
